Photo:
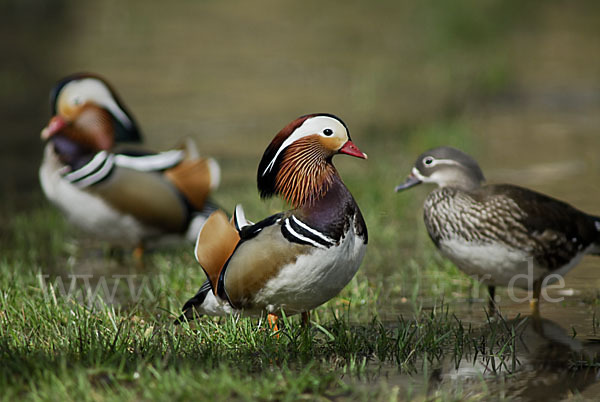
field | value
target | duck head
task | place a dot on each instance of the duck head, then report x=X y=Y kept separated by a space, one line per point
x=297 y=164
x=446 y=167
x=87 y=112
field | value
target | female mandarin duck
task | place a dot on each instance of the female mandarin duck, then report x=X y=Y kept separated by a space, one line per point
x=294 y=260
x=503 y=235
x=125 y=197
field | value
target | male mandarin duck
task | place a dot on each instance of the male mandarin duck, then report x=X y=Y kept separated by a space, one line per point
x=501 y=234
x=294 y=260
x=126 y=197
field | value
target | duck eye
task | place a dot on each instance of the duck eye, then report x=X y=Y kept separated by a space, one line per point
x=428 y=161
x=328 y=131
x=76 y=100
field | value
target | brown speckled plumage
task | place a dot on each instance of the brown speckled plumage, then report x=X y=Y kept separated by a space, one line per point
x=551 y=231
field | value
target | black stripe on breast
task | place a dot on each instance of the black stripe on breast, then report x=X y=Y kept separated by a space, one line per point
x=295 y=239
x=295 y=226
x=297 y=234
x=99 y=173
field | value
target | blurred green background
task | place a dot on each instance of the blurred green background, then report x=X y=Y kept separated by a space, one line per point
x=232 y=73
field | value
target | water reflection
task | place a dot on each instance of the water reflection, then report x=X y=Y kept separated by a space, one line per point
x=549 y=364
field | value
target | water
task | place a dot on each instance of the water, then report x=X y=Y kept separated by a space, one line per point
x=218 y=71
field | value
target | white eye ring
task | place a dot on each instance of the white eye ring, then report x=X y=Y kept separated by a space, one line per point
x=428 y=160
x=328 y=132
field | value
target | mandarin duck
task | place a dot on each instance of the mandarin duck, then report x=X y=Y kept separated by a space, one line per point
x=126 y=197
x=500 y=234
x=295 y=260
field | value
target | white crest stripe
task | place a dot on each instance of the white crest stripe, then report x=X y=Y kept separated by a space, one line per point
x=96 y=90
x=310 y=126
x=113 y=106
x=285 y=144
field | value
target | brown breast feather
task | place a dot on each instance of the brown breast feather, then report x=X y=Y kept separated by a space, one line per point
x=256 y=261
x=192 y=178
x=216 y=242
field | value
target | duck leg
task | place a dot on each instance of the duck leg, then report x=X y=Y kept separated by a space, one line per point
x=272 y=320
x=138 y=256
x=306 y=318
x=534 y=303
x=491 y=302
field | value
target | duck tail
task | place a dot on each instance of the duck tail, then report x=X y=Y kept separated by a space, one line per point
x=193 y=307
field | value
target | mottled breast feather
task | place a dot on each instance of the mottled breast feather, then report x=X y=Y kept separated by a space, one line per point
x=552 y=231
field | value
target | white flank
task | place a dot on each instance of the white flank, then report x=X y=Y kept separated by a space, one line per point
x=87 y=211
x=498 y=265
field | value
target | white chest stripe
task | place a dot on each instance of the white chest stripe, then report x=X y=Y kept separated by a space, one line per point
x=313 y=231
x=88 y=168
x=102 y=164
x=99 y=175
x=310 y=126
x=300 y=237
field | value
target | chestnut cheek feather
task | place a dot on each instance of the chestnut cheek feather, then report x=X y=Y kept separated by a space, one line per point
x=92 y=128
x=95 y=128
x=304 y=174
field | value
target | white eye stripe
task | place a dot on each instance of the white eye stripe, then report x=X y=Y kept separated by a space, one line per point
x=92 y=89
x=436 y=162
x=310 y=126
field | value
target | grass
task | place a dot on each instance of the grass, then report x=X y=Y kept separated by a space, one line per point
x=56 y=346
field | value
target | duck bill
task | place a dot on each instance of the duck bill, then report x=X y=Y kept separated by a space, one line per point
x=350 y=149
x=410 y=181
x=55 y=125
